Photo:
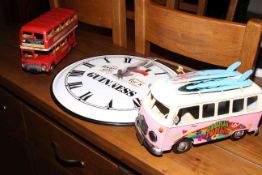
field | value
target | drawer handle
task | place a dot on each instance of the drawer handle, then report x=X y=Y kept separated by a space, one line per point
x=66 y=162
x=3 y=107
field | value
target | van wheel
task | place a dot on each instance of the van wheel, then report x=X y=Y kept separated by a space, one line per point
x=238 y=135
x=182 y=146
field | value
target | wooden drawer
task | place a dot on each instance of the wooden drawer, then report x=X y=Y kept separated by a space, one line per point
x=65 y=149
x=44 y=166
x=11 y=120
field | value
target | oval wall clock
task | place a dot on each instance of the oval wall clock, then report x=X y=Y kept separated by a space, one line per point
x=107 y=89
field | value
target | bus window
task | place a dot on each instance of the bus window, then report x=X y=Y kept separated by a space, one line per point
x=27 y=54
x=27 y=35
x=187 y=114
x=57 y=29
x=38 y=36
x=75 y=17
x=160 y=109
x=223 y=107
x=50 y=34
x=238 y=105
x=71 y=18
x=251 y=103
x=67 y=21
x=208 y=110
x=39 y=52
x=57 y=48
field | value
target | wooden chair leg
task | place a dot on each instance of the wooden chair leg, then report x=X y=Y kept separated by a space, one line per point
x=140 y=42
x=54 y=3
x=172 y=4
x=231 y=10
x=119 y=23
x=201 y=7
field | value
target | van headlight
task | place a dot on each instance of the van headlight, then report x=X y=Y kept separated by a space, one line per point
x=152 y=136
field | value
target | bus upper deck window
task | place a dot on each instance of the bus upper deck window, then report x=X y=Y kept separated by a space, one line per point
x=39 y=36
x=50 y=34
x=75 y=17
x=57 y=29
x=67 y=21
x=27 y=35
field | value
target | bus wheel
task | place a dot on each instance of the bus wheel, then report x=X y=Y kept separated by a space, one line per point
x=52 y=67
x=238 y=135
x=182 y=146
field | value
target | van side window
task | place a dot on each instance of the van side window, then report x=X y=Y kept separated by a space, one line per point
x=238 y=105
x=208 y=110
x=251 y=103
x=223 y=107
x=188 y=113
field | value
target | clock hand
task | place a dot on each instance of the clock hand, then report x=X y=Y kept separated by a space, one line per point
x=123 y=71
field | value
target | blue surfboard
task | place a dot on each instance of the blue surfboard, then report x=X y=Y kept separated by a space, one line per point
x=214 y=85
x=208 y=74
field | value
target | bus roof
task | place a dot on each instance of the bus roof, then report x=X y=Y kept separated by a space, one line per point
x=48 y=20
x=166 y=92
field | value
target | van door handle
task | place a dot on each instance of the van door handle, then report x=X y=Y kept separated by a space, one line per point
x=194 y=125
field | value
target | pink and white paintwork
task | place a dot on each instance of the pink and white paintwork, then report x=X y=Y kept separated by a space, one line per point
x=169 y=120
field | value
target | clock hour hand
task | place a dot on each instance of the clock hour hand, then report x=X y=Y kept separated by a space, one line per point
x=123 y=71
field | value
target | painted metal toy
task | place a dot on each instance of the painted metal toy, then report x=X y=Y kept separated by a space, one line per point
x=46 y=40
x=199 y=107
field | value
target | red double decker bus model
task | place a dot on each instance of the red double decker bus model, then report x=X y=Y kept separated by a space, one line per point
x=45 y=61
x=47 y=39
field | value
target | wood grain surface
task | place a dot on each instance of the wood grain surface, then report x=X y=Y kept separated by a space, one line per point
x=243 y=157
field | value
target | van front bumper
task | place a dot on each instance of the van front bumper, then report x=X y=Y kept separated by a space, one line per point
x=143 y=141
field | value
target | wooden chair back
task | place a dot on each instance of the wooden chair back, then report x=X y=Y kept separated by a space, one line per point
x=109 y=14
x=213 y=41
x=200 y=7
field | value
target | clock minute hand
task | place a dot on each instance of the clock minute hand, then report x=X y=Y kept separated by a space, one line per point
x=122 y=71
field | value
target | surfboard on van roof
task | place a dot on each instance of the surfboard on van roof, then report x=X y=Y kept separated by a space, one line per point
x=208 y=74
x=216 y=84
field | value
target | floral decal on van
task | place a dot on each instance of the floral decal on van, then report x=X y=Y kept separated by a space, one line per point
x=215 y=131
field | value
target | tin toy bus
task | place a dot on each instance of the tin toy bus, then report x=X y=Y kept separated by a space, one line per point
x=199 y=107
x=45 y=61
x=47 y=39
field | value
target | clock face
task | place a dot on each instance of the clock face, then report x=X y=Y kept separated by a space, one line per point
x=107 y=89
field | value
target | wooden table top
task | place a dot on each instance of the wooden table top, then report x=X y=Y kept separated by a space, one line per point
x=224 y=157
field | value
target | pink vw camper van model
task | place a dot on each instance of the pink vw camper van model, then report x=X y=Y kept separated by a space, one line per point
x=199 y=107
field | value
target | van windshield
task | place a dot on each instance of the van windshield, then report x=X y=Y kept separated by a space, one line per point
x=157 y=107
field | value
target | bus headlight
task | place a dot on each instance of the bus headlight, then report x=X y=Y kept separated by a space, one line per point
x=152 y=136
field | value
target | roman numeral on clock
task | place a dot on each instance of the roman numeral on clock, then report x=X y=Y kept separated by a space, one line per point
x=76 y=73
x=137 y=102
x=88 y=64
x=74 y=85
x=128 y=60
x=106 y=60
x=110 y=104
x=86 y=96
